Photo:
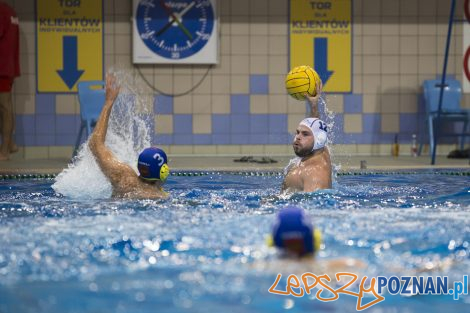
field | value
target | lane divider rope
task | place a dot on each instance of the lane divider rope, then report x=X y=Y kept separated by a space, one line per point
x=257 y=173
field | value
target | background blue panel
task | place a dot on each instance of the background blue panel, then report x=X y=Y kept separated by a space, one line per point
x=45 y=104
x=259 y=124
x=182 y=139
x=221 y=139
x=67 y=124
x=353 y=103
x=220 y=124
x=202 y=139
x=164 y=139
x=240 y=123
x=240 y=104
x=371 y=123
x=163 y=104
x=45 y=124
x=182 y=124
x=259 y=84
x=278 y=123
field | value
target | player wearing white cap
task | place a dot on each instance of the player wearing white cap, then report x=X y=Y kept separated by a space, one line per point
x=311 y=170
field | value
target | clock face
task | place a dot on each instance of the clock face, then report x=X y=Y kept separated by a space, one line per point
x=175 y=29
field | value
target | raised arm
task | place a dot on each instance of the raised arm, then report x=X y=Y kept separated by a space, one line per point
x=109 y=164
x=101 y=128
x=313 y=101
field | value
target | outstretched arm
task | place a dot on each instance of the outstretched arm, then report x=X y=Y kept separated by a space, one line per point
x=109 y=164
x=313 y=101
x=101 y=128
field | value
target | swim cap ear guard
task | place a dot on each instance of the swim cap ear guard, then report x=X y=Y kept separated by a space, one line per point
x=319 y=130
x=294 y=233
x=153 y=164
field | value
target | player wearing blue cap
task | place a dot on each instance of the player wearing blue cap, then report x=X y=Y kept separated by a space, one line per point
x=311 y=170
x=152 y=163
x=297 y=239
x=293 y=233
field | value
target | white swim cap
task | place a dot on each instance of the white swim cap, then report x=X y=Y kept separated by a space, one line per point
x=319 y=130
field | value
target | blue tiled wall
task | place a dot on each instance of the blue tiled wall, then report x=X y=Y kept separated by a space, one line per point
x=240 y=127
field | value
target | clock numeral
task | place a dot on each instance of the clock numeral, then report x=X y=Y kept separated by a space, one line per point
x=147 y=3
x=205 y=3
x=175 y=55
x=146 y=36
x=203 y=36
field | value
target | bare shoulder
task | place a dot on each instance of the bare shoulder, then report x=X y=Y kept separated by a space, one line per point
x=134 y=188
x=320 y=162
x=317 y=173
x=121 y=174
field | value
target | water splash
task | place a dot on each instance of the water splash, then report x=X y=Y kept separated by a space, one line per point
x=333 y=135
x=329 y=119
x=129 y=132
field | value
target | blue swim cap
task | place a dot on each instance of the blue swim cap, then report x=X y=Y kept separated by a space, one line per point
x=294 y=232
x=152 y=164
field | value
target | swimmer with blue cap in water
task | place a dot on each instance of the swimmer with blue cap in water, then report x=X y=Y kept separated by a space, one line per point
x=294 y=234
x=298 y=243
x=311 y=170
x=296 y=239
x=152 y=163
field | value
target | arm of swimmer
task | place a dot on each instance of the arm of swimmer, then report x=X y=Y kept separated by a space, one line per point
x=99 y=133
x=109 y=164
x=313 y=101
x=284 y=185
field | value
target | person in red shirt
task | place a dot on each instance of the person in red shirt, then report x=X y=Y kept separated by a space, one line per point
x=9 y=70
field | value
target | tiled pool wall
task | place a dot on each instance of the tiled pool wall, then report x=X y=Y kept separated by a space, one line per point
x=241 y=106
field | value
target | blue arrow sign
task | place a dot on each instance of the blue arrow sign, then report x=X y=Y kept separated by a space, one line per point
x=320 y=61
x=70 y=73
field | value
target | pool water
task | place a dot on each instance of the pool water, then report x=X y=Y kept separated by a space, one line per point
x=195 y=251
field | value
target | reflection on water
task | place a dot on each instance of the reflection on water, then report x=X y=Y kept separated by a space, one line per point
x=194 y=251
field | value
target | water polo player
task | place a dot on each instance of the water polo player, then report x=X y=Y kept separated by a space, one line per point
x=294 y=234
x=299 y=241
x=311 y=170
x=152 y=162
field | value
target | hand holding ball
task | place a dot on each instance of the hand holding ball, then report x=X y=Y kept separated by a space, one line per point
x=302 y=80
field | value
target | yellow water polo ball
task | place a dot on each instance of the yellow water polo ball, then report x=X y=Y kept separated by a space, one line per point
x=301 y=80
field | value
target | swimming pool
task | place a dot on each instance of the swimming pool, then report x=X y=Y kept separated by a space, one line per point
x=194 y=251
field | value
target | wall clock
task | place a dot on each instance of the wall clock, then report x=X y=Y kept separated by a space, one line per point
x=175 y=31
